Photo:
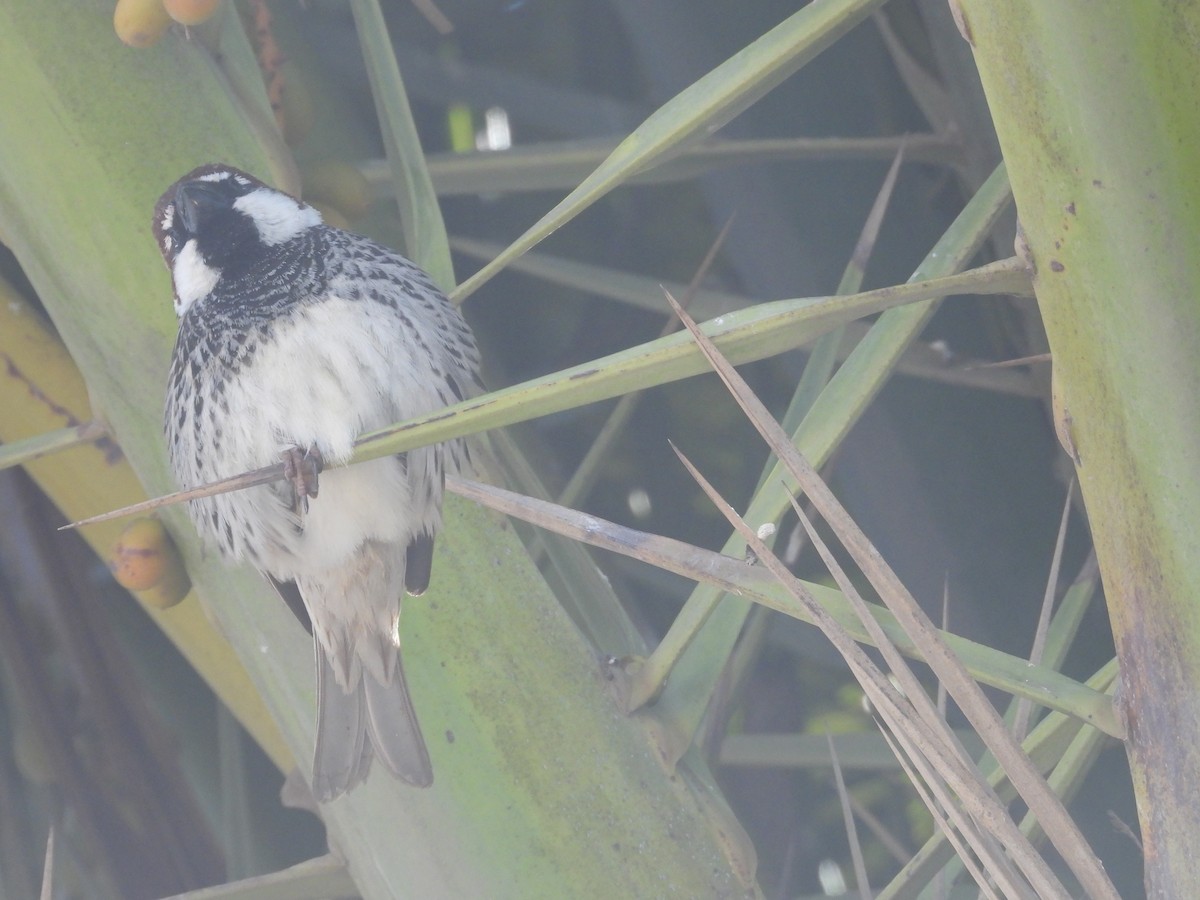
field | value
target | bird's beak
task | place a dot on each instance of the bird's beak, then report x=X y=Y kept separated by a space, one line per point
x=194 y=201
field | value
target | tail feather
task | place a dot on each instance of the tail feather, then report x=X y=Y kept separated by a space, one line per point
x=394 y=730
x=343 y=754
x=371 y=719
x=363 y=705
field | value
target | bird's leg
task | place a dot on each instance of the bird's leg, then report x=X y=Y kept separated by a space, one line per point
x=302 y=469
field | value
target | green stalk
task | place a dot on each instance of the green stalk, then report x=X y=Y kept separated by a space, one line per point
x=1095 y=107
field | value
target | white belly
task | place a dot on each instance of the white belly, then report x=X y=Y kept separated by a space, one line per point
x=324 y=376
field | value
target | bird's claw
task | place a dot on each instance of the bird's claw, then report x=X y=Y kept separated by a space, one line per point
x=302 y=469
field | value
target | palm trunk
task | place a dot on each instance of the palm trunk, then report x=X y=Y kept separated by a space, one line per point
x=1095 y=106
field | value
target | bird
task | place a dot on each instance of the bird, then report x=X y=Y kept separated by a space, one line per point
x=294 y=339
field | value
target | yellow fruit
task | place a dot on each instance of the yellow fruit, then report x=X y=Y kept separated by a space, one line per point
x=140 y=23
x=191 y=12
x=338 y=184
x=145 y=560
x=168 y=592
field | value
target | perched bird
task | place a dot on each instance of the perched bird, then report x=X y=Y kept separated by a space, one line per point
x=294 y=339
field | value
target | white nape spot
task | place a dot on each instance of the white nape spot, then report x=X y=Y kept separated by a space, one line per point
x=220 y=175
x=168 y=218
x=277 y=216
x=194 y=278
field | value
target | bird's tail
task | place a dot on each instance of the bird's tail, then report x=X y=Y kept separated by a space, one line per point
x=370 y=719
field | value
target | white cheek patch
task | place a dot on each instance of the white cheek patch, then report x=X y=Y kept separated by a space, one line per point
x=194 y=278
x=277 y=216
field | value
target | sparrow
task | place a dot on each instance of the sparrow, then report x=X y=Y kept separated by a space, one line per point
x=294 y=339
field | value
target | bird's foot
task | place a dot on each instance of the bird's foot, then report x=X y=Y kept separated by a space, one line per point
x=302 y=469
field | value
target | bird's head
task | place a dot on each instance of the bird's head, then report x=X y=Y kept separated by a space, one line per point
x=217 y=221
